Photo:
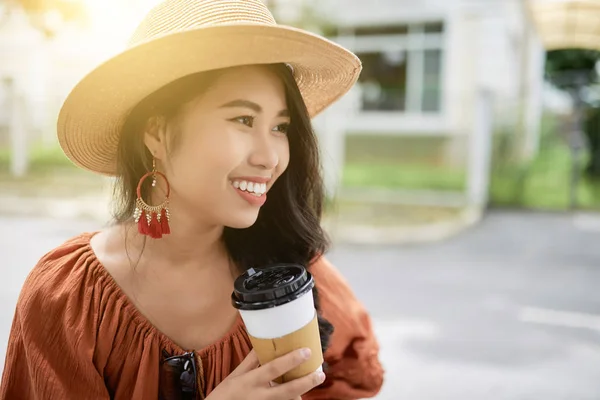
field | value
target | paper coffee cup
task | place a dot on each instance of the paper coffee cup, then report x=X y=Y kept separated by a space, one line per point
x=277 y=306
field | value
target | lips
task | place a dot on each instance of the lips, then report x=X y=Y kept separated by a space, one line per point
x=253 y=189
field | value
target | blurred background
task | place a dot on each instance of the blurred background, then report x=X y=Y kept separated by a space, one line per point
x=462 y=172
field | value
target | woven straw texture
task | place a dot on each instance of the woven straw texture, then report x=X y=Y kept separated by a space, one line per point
x=182 y=37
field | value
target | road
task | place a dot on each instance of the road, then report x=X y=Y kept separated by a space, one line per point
x=507 y=310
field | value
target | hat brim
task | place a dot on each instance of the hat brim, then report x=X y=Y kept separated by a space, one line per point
x=92 y=116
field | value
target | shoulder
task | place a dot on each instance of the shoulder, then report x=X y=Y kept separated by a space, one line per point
x=55 y=332
x=337 y=299
x=328 y=278
x=62 y=266
x=59 y=279
x=355 y=370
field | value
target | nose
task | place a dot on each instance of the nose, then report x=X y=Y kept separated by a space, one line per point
x=265 y=151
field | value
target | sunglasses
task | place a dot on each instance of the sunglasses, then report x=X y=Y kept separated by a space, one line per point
x=178 y=377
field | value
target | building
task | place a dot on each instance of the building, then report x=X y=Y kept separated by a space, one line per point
x=425 y=62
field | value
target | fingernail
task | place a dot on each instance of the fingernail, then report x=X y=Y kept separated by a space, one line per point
x=305 y=353
x=320 y=377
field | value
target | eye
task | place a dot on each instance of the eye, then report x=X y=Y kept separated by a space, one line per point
x=283 y=128
x=245 y=120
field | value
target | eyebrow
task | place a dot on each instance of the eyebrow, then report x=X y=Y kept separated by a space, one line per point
x=251 y=105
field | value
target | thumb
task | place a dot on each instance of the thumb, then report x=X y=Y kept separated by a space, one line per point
x=250 y=363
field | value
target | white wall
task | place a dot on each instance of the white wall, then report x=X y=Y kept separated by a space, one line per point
x=44 y=70
x=483 y=48
x=491 y=50
x=24 y=60
x=361 y=12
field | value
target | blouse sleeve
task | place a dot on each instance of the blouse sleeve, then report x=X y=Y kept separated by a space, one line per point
x=51 y=343
x=354 y=370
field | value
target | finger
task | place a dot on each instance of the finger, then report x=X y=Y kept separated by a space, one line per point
x=274 y=369
x=248 y=364
x=273 y=384
x=296 y=388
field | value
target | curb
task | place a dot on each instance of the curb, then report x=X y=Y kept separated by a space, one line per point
x=402 y=235
x=85 y=207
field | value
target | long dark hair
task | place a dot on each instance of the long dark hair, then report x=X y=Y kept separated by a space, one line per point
x=288 y=228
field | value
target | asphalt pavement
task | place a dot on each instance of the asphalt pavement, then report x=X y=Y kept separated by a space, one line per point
x=509 y=309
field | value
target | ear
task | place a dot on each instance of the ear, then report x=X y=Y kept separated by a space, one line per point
x=155 y=137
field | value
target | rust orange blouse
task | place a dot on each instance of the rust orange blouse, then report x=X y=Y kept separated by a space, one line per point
x=75 y=335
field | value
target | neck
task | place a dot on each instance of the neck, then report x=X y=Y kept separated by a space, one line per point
x=191 y=243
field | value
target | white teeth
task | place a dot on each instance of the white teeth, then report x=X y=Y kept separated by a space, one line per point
x=255 y=188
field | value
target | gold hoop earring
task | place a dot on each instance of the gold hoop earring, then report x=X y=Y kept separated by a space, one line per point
x=152 y=220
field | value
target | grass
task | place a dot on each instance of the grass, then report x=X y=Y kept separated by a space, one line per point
x=50 y=174
x=42 y=159
x=544 y=183
x=403 y=176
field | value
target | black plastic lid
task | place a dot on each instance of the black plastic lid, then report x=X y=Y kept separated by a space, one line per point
x=272 y=286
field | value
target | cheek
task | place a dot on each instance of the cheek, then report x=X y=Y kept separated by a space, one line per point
x=284 y=155
x=209 y=154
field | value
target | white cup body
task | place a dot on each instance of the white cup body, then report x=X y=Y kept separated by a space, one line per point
x=271 y=323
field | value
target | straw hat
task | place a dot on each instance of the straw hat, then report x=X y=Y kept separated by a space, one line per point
x=182 y=37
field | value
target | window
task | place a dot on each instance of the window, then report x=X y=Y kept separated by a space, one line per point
x=432 y=81
x=433 y=27
x=384 y=81
x=381 y=30
x=402 y=67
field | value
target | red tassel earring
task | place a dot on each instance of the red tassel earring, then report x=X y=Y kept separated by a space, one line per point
x=152 y=220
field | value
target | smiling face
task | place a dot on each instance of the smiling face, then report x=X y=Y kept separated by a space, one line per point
x=210 y=132
x=231 y=147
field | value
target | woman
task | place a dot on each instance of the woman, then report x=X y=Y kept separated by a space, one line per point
x=204 y=116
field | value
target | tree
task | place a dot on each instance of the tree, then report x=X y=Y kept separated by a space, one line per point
x=309 y=15
x=47 y=15
x=576 y=71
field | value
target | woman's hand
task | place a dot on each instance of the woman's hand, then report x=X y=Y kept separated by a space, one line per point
x=251 y=382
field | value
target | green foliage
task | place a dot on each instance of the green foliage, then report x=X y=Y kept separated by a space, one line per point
x=544 y=182
x=572 y=59
x=68 y=9
x=42 y=13
x=42 y=160
x=573 y=68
